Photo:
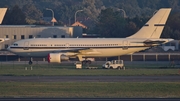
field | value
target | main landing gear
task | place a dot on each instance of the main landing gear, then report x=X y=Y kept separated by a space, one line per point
x=82 y=61
x=85 y=62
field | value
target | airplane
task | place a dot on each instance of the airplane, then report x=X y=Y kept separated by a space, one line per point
x=59 y=49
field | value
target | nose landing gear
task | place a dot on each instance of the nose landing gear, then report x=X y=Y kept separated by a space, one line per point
x=30 y=61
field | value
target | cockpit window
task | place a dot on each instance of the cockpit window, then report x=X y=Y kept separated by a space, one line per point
x=15 y=44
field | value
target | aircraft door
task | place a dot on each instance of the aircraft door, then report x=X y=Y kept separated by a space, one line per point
x=26 y=45
x=125 y=44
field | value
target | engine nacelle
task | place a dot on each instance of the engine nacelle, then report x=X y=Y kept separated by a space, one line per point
x=64 y=58
x=56 y=57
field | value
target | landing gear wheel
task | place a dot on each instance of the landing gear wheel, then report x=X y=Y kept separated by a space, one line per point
x=89 y=62
x=83 y=62
x=86 y=62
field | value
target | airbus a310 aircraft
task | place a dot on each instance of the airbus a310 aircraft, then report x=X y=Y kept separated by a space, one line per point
x=58 y=49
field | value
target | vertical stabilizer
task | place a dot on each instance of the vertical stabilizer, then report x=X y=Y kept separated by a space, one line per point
x=2 y=13
x=154 y=27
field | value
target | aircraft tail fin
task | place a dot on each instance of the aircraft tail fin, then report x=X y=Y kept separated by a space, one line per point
x=154 y=27
x=2 y=13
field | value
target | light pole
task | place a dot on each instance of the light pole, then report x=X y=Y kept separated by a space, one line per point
x=52 y=15
x=75 y=15
x=123 y=12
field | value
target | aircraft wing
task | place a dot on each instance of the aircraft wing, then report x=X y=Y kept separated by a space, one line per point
x=79 y=51
x=72 y=50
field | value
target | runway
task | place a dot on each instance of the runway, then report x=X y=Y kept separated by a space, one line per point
x=89 y=99
x=89 y=78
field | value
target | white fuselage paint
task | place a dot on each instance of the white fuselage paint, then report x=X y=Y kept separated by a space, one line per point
x=91 y=47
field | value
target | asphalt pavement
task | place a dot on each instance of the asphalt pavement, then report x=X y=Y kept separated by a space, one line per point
x=90 y=78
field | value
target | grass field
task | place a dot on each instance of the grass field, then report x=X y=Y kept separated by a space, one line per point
x=86 y=89
x=58 y=70
x=90 y=89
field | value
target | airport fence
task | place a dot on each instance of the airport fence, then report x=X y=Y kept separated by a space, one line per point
x=137 y=60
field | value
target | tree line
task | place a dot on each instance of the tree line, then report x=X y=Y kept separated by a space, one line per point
x=111 y=24
x=107 y=21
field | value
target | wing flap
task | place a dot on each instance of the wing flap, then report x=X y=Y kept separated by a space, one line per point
x=79 y=51
x=76 y=50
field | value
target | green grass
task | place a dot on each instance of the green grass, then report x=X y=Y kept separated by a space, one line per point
x=44 y=70
x=90 y=89
x=86 y=89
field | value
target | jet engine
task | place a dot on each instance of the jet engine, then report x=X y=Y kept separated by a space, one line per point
x=57 y=57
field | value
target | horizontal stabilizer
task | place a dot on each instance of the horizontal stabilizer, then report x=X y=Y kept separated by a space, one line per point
x=154 y=42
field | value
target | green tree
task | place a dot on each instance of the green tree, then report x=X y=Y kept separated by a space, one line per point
x=130 y=29
x=171 y=29
x=32 y=14
x=110 y=24
x=15 y=17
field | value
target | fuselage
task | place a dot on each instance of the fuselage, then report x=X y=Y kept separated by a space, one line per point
x=89 y=47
